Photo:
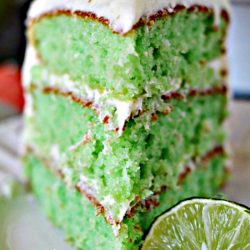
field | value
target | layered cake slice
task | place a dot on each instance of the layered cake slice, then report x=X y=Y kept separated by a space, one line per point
x=125 y=103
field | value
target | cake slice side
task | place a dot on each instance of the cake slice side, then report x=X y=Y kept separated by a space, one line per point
x=169 y=54
x=71 y=211
x=152 y=151
x=122 y=122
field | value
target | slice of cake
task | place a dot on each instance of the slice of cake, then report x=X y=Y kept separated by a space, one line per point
x=125 y=103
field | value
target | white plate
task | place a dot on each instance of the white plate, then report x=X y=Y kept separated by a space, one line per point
x=24 y=227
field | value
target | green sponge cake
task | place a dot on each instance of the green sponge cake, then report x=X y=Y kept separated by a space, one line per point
x=125 y=104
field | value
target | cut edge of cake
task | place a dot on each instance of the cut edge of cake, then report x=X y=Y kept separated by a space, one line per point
x=89 y=192
x=64 y=86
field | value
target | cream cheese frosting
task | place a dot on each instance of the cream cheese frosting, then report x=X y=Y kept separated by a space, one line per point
x=30 y=60
x=122 y=14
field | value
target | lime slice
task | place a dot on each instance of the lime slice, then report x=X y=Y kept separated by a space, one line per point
x=201 y=224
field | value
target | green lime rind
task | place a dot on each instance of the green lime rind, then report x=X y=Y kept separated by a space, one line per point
x=204 y=224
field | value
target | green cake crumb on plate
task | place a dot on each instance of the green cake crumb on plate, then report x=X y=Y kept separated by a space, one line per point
x=125 y=105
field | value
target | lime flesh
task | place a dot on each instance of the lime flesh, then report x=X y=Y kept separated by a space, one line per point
x=201 y=224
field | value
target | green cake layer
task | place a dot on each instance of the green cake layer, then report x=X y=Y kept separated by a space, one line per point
x=151 y=152
x=86 y=230
x=104 y=182
x=173 y=53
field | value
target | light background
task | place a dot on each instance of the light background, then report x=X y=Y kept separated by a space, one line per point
x=239 y=48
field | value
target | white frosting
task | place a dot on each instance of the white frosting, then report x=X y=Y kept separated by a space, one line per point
x=123 y=108
x=30 y=60
x=29 y=107
x=55 y=153
x=108 y=200
x=122 y=14
x=124 y=208
x=219 y=64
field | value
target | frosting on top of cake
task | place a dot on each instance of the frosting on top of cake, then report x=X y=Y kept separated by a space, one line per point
x=122 y=14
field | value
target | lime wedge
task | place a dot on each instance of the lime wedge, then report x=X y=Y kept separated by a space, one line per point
x=201 y=224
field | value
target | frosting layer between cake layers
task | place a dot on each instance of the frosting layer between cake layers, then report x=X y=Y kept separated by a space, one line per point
x=122 y=15
x=118 y=170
